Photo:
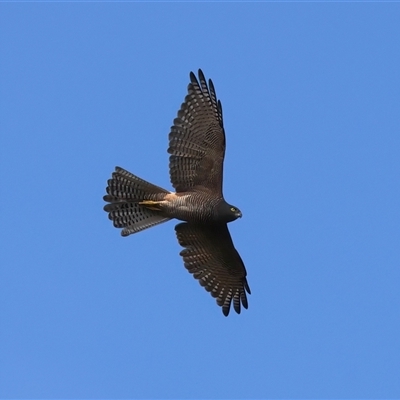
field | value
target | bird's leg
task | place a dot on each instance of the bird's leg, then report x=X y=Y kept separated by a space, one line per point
x=151 y=205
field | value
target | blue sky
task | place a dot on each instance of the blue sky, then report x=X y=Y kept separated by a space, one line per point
x=311 y=99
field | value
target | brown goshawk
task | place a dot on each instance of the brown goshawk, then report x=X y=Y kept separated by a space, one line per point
x=197 y=150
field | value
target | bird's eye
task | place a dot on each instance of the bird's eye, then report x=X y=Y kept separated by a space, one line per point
x=233 y=209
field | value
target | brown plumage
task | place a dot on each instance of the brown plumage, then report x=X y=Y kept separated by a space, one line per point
x=197 y=150
x=197 y=140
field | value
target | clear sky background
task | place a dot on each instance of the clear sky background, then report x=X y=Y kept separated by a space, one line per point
x=311 y=99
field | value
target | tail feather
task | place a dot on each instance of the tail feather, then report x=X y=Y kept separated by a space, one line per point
x=125 y=191
x=132 y=217
x=125 y=186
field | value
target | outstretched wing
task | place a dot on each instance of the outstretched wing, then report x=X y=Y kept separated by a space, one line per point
x=211 y=257
x=197 y=140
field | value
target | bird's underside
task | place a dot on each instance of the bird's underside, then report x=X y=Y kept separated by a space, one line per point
x=197 y=149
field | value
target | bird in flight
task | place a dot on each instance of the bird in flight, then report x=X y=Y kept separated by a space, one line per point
x=197 y=150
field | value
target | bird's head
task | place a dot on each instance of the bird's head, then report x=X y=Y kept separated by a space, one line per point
x=228 y=213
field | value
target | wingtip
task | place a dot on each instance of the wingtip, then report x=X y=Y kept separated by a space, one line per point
x=193 y=78
x=225 y=310
x=246 y=286
x=201 y=75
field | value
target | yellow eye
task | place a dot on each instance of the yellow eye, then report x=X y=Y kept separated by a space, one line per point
x=233 y=209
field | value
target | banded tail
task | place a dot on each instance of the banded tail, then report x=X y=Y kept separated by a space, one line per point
x=125 y=191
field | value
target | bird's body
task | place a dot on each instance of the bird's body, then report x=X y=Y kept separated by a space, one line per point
x=197 y=148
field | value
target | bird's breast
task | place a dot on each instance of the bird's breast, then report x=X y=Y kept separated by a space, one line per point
x=189 y=207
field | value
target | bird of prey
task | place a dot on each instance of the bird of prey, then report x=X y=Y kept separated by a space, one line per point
x=197 y=150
